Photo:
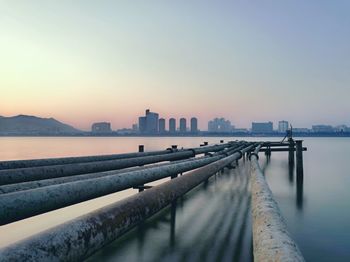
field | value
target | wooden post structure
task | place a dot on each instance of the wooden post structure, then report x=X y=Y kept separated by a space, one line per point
x=141 y=149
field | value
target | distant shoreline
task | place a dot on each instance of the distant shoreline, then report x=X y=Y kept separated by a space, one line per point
x=89 y=134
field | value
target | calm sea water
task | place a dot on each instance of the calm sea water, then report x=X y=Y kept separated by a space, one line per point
x=212 y=222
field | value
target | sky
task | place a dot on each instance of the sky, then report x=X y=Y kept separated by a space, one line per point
x=86 y=61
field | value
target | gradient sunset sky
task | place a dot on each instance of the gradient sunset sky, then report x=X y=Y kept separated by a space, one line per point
x=86 y=61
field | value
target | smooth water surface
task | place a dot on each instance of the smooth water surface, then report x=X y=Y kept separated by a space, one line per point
x=211 y=222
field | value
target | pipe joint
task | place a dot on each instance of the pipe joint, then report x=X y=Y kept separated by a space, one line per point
x=253 y=154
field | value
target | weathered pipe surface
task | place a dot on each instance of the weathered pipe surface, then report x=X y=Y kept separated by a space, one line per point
x=11 y=176
x=22 y=204
x=13 y=164
x=81 y=237
x=5 y=189
x=271 y=240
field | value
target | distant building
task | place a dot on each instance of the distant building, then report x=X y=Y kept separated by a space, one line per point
x=240 y=130
x=301 y=130
x=101 y=127
x=172 y=125
x=220 y=125
x=125 y=131
x=149 y=123
x=283 y=126
x=263 y=127
x=135 y=127
x=322 y=129
x=341 y=128
x=183 y=126
x=194 y=125
x=142 y=124
x=161 y=125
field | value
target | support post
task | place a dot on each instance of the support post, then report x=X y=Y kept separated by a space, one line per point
x=291 y=151
x=299 y=156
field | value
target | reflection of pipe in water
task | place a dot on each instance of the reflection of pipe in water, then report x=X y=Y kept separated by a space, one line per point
x=267 y=162
x=140 y=238
x=172 y=223
x=291 y=173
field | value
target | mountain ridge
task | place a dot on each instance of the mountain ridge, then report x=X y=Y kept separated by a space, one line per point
x=33 y=125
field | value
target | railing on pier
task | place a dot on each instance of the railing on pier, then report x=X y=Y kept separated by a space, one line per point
x=32 y=187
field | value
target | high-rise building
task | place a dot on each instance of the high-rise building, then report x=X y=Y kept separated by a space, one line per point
x=183 y=127
x=161 y=125
x=101 y=127
x=283 y=126
x=264 y=127
x=172 y=125
x=142 y=124
x=194 y=125
x=149 y=123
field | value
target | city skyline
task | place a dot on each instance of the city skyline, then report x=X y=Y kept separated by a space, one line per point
x=88 y=61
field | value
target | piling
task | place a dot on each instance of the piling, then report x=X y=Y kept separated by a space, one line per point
x=300 y=173
x=299 y=157
x=291 y=151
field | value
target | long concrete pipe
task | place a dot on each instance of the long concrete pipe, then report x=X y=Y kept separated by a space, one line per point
x=22 y=204
x=19 y=175
x=79 y=238
x=271 y=240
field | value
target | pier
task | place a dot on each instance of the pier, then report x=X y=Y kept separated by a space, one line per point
x=32 y=187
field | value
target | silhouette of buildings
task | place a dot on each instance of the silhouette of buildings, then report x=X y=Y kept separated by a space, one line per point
x=283 y=126
x=263 y=127
x=149 y=123
x=183 y=127
x=135 y=128
x=220 y=125
x=172 y=125
x=194 y=125
x=101 y=127
x=161 y=125
x=322 y=129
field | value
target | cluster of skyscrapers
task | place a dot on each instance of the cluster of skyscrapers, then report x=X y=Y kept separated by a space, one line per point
x=152 y=124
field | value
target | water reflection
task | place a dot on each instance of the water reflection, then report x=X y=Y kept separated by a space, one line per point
x=172 y=223
x=210 y=223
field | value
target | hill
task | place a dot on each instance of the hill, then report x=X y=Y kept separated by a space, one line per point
x=32 y=125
